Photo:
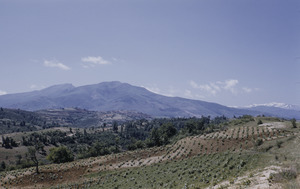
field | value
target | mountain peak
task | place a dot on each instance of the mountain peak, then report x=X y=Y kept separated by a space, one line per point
x=60 y=86
x=116 y=96
x=57 y=88
x=110 y=83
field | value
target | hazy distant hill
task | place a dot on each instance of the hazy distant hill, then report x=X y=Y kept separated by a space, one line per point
x=75 y=117
x=277 y=111
x=115 y=96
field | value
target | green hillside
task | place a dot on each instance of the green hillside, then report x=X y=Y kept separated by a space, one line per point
x=245 y=152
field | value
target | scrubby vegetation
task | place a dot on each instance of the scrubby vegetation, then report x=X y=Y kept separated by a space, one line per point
x=157 y=153
x=12 y=120
x=118 y=137
x=60 y=155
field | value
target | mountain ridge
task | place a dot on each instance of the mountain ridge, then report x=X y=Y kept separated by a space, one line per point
x=115 y=96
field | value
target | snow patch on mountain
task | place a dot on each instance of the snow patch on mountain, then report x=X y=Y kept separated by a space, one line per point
x=277 y=105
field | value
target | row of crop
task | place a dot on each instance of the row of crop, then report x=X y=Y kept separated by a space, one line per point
x=200 y=170
x=247 y=133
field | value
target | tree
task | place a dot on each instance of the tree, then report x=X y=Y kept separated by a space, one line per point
x=139 y=144
x=155 y=137
x=97 y=149
x=13 y=143
x=103 y=126
x=60 y=155
x=32 y=154
x=6 y=142
x=115 y=127
x=162 y=135
x=33 y=157
x=167 y=130
x=19 y=158
x=117 y=142
x=190 y=127
x=22 y=123
x=122 y=129
x=3 y=165
x=294 y=124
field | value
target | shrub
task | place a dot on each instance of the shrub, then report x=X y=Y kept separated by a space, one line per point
x=259 y=142
x=294 y=124
x=60 y=155
x=279 y=143
x=259 y=122
x=287 y=175
x=247 y=182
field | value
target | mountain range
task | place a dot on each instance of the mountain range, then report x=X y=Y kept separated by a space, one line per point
x=276 y=105
x=277 y=109
x=116 y=96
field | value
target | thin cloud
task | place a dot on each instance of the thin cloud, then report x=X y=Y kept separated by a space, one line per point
x=36 y=87
x=213 y=88
x=209 y=88
x=55 y=64
x=189 y=94
x=230 y=84
x=92 y=61
x=171 y=92
x=153 y=89
x=247 y=90
x=33 y=86
x=3 y=92
x=194 y=84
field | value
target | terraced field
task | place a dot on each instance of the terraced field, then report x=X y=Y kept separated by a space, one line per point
x=225 y=159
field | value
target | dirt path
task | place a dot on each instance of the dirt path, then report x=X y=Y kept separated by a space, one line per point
x=274 y=125
x=256 y=180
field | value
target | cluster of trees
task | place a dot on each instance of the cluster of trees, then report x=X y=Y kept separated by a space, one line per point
x=114 y=138
x=8 y=142
x=165 y=131
x=57 y=155
x=126 y=136
x=97 y=149
x=12 y=120
x=161 y=136
x=11 y=126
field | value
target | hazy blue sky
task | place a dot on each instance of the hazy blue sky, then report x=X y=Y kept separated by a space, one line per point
x=233 y=52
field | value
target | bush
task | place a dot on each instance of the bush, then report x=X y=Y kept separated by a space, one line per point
x=279 y=143
x=259 y=142
x=294 y=124
x=60 y=155
x=259 y=122
x=287 y=175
